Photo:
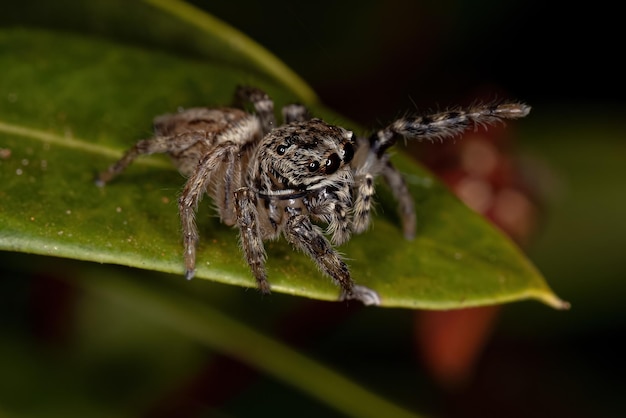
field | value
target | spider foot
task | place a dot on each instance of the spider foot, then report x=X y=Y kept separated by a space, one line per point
x=189 y=274
x=101 y=179
x=363 y=294
x=264 y=287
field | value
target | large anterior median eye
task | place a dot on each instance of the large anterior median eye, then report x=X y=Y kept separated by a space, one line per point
x=281 y=149
x=332 y=163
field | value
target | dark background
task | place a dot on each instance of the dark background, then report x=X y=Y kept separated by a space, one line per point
x=371 y=59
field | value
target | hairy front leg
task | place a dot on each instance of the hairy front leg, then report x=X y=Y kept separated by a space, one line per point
x=300 y=231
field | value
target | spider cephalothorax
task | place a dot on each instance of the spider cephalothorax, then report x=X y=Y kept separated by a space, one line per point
x=271 y=180
x=303 y=156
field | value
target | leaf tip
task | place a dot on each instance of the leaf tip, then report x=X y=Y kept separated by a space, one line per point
x=555 y=302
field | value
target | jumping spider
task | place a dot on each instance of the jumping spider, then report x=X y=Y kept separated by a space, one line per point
x=271 y=179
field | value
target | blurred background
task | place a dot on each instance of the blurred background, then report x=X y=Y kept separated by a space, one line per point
x=560 y=171
x=373 y=59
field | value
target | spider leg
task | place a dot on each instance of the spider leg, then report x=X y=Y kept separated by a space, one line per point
x=332 y=207
x=295 y=113
x=225 y=194
x=339 y=223
x=300 y=232
x=156 y=145
x=436 y=126
x=363 y=294
x=193 y=192
x=263 y=105
x=363 y=202
x=400 y=191
x=250 y=235
x=444 y=124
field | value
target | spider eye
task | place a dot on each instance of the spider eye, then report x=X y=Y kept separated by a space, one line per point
x=314 y=166
x=348 y=152
x=281 y=149
x=332 y=163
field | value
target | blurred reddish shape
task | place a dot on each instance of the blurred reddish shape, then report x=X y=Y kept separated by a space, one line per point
x=481 y=171
x=451 y=341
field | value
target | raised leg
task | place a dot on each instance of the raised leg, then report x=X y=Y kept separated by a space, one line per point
x=443 y=125
x=250 y=236
x=263 y=105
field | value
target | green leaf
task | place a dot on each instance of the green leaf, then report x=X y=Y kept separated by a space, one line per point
x=71 y=105
x=169 y=25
